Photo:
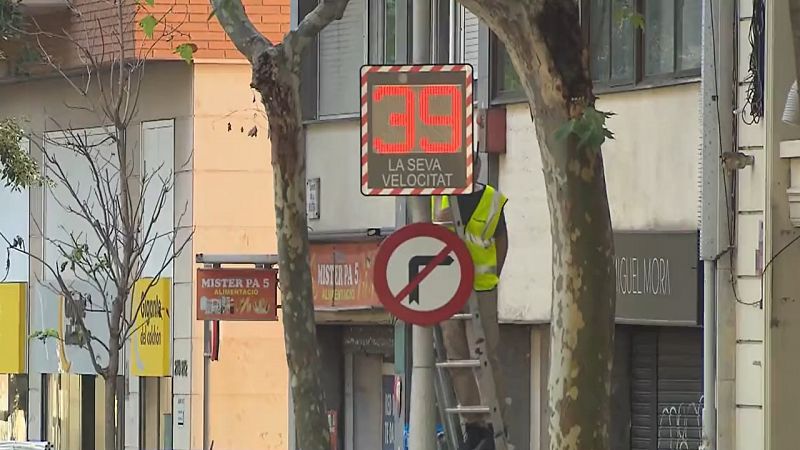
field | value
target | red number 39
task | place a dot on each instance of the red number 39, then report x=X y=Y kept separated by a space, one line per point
x=406 y=119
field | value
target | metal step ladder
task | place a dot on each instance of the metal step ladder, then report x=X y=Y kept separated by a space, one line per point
x=481 y=367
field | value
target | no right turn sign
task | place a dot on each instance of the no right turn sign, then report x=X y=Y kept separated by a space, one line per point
x=423 y=274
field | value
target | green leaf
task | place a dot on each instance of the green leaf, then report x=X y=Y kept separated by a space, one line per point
x=637 y=20
x=148 y=24
x=590 y=129
x=150 y=2
x=565 y=130
x=43 y=335
x=627 y=13
x=186 y=51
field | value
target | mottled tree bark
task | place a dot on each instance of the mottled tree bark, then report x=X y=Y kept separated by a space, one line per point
x=544 y=41
x=110 y=411
x=277 y=81
x=276 y=77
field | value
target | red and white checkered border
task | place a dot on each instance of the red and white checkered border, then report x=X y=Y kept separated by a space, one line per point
x=365 y=139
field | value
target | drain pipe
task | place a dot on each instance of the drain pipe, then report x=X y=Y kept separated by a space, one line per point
x=709 y=356
x=709 y=243
x=717 y=123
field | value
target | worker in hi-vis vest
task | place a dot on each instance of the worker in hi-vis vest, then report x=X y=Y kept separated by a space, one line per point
x=486 y=238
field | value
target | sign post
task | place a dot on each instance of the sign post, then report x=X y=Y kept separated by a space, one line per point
x=231 y=294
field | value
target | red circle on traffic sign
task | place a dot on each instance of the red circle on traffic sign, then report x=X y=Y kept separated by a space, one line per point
x=452 y=246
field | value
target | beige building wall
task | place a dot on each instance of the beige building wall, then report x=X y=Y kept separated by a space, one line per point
x=166 y=93
x=749 y=413
x=233 y=214
x=651 y=151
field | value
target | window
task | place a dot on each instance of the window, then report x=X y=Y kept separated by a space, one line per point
x=666 y=47
x=341 y=53
x=505 y=82
x=383 y=32
x=369 y=31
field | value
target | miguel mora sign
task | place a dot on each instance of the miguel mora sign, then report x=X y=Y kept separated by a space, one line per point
x=416 y=130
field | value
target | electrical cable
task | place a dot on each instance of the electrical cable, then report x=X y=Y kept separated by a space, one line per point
x=754 y=94
x=729 y=200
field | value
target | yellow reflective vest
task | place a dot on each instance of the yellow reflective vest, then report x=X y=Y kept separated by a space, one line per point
x=479 y=234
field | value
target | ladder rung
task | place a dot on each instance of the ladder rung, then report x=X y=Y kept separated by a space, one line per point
x=459 y=363
x=469 y=410
x=461 y=316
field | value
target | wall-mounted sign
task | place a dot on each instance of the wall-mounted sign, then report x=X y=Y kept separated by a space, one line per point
x=13 y=326
x=237 y=294
x=180 y=411
x=312 y=198
x=387 y=430
x=342 y=274
x=151 y=342
x=657 y=277
x=416 y=130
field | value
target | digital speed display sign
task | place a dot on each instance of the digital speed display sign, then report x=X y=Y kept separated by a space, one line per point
x=416 y=130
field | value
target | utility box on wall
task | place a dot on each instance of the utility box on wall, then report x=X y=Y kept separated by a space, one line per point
x=492 y=130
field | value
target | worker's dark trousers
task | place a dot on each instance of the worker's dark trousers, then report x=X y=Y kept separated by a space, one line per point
x=458 y=343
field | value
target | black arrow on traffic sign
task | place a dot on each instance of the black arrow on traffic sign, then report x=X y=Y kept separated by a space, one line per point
x=413 y=269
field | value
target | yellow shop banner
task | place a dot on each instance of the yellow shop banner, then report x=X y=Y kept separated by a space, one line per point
x=150 y=345
x=13 y=324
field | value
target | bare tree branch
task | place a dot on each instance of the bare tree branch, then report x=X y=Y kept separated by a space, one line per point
x=324 y=13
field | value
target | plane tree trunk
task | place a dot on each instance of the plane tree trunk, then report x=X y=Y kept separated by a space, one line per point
x=276 y=77
x=545 y=43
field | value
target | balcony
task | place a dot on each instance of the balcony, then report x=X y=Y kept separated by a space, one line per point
x=40 y=7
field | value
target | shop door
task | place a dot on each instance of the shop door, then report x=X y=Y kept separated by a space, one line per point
x=680 y=388
x=666 y=388
x=367 y=402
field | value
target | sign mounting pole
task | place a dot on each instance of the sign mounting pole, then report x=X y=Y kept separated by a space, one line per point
x=417 y=141
x=422 y=412
x=216 y=262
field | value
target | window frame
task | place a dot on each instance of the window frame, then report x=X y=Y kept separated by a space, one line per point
x=497 y=95
x=640 y=79
x=310 y=73
x=376 y=31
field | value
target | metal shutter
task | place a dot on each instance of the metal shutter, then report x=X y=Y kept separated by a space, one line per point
x=680 y=388
x=644 y=398
x=666 y=389
x=341 y=54
x=471 y=32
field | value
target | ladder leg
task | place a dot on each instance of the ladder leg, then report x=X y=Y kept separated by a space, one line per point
x=487 y=306
x=445 y=396
x=484 y=344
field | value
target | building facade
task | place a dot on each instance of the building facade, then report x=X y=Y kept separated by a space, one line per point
x=653 y=169
x=191 y=131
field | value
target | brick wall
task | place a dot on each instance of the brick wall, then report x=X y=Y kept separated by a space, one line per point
x=190 y=18
x=94 y=24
